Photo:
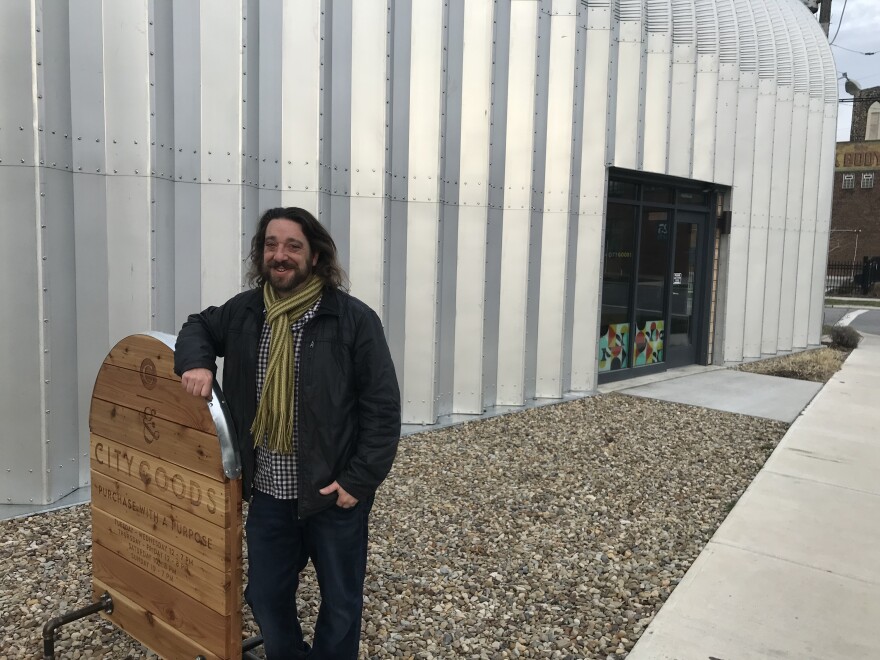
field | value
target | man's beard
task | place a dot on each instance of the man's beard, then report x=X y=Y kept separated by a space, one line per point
x=284 y=283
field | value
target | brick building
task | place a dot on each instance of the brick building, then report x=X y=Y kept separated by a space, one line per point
x=855 y=216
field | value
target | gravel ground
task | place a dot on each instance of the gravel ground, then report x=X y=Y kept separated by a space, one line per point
x=557 y=532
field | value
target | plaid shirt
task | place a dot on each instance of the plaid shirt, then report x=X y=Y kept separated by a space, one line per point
x=276 y=473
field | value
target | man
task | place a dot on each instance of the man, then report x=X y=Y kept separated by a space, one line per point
x=312 y=391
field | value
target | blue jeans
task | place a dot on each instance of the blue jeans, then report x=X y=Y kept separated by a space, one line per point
x=279 y=547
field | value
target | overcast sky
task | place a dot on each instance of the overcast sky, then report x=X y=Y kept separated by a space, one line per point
x=859 y=31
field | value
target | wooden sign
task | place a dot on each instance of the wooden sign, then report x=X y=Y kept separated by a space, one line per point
x=166 y=505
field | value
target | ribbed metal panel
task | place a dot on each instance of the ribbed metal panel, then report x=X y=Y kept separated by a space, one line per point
x=683 y=22
x=683 y=101
x=800 y=59
x=458 y=153
x=658 y=16
x=658 y=80
x=823 y=220
x=782 y=40
x=596 y=122
x=779 y=180
x=555 y=217
x=830 y=75
x=817 y=46
x=794 y=223
x=814 y=43
x=807 y=236
x=765 y=145
x=767 y=62
x=748 y=38
x=629 y=69
x=707 y=27
x=706 y=93
x=728 y=35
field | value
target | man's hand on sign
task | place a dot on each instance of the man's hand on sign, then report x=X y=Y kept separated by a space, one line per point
x=343 y=499
x=198 y=382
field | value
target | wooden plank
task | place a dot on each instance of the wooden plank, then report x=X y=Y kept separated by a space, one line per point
x=168 y=523
x=201 y=624
x=234 y=550
x=127 y=388
x=144 y=354
x=141 y=624
x=188 y=490
x=146 y=431
x=182 y=571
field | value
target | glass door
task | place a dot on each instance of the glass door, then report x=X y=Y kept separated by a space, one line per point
x=685 y=310
x=659 y=242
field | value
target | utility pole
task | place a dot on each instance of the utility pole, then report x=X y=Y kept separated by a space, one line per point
x=824 y=9
x=825 y=16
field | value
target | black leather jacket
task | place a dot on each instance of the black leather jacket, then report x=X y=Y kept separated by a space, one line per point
x=349 y=401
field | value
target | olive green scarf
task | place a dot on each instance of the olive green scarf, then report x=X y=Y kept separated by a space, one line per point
x=274 y=420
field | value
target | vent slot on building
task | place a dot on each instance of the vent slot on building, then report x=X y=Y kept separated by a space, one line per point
x=707 y=27
x=727 y=34
x=868 y=180
x=628 y=10
x=849 y=181
x=658 y=16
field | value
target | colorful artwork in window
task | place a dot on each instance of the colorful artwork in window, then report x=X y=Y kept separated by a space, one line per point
x=649 y=344
x=612 y=347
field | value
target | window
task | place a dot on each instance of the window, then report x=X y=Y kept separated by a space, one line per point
x=694 y=197
x=622 y=189
x=872 y=126
x=659 y=193
x=868 y=180
x=849 y=181
x=620 y=230
x=651 y=286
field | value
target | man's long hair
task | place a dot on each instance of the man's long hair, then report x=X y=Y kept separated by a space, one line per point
x=320 y=242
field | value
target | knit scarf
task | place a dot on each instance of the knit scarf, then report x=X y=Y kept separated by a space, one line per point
x=274 y=419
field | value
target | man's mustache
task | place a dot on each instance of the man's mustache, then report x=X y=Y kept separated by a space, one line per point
x=282 y=264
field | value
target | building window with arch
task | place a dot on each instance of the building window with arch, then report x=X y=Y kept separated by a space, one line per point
x=872 y=127
x=849 y=181
x=868 y=180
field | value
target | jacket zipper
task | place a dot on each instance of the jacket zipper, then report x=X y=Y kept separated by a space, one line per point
x=299 y=454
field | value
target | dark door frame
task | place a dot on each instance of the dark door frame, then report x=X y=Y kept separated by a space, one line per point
x=698 y=353
x=705 y=266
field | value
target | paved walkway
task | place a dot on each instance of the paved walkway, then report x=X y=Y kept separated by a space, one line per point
x=793 y=571
x=757 y=395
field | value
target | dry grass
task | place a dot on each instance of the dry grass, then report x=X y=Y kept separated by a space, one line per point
x=816 y=365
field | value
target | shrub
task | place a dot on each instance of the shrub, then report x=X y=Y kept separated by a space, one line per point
x=845 y=336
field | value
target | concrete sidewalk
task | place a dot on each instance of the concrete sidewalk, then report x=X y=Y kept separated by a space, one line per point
x=793 y=571
x=782 y=399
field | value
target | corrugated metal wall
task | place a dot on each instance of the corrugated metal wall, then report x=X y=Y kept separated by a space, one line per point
x=456 y=150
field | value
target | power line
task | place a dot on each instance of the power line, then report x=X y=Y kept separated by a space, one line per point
x=857 y=52
x=839 y=23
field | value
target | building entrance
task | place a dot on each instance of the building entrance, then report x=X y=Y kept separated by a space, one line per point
x=658 y=249
x=687 y=287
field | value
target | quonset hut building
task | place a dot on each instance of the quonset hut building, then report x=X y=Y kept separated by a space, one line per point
x=536 y=196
